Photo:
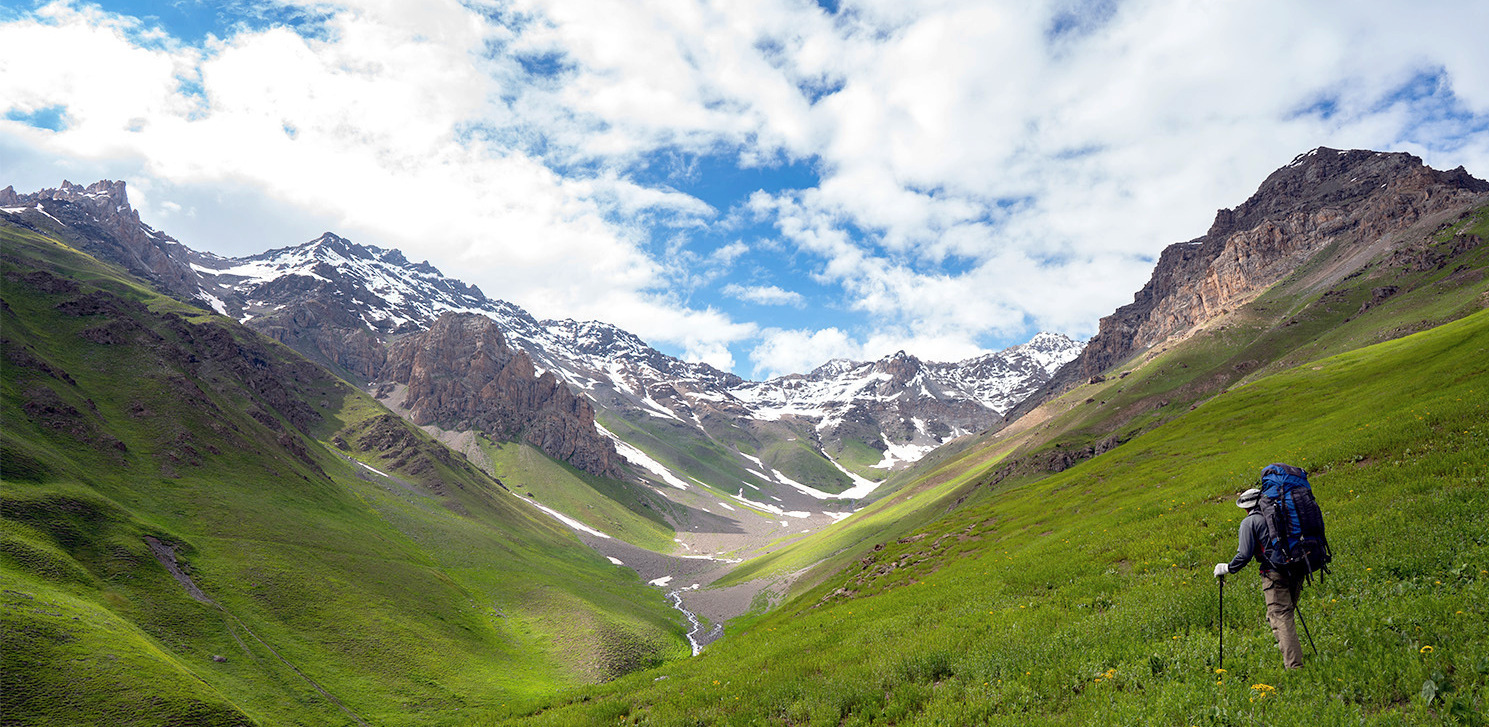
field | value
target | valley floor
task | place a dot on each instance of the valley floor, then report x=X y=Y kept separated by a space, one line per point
x=712 y=536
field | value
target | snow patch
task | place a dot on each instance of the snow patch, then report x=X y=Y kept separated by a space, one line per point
x=213 y=301
x=44 y=211
x=862 y=486
x=896 y=453
x=374 y=469
x=565 y=519
x=638 y=457
x=760 y=505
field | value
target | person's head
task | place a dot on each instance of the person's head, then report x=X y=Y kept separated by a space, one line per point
x=1249 y=499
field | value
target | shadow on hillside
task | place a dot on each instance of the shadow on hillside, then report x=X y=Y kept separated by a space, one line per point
x=695 y=520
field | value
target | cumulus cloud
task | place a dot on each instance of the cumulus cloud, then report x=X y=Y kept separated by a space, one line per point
x=366 y=126
x=765 y=295
x=783 y=351
x=984 y=169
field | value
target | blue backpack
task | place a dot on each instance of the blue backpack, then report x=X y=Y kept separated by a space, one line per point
x=1296 y=546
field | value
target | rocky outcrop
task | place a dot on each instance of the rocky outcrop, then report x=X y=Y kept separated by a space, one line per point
x=340 y=303
x=1323 y=197
x=327 y=333
x=462 y=375
x=100 y=221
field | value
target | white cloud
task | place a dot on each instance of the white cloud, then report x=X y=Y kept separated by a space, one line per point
x=981 y=174
x=725 y=255
x=765 y=294
x=966 y=135
x=798 y=351
x=364 y=128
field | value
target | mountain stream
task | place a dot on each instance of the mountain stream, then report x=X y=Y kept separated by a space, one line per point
x=718 y=629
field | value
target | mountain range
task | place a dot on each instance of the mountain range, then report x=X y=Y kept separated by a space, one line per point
x=428 y=507
x=836 y=429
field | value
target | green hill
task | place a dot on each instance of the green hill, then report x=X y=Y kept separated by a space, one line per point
x=334 y=564
x=1007 y=594
x=1304 y=316
x=202 y=528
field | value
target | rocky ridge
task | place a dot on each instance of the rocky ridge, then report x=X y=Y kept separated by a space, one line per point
x=462 y=375
x=104 y=225
x=346 y=305
x=1323 y=197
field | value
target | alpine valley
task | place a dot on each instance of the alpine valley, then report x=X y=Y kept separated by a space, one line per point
x=324 y=484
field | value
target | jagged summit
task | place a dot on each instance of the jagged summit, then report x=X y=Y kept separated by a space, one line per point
x=99 y=220
x=345 y=303
x=1333 y=178
x=1356 y=199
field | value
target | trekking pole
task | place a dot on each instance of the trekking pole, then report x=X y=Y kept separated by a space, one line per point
x=1299 y=611
x=1221 y=664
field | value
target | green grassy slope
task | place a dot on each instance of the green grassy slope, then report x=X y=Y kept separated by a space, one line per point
x=1296 y=320
x=712 y=458
x=1085 y=597
x=618 y=509
x=357 y=571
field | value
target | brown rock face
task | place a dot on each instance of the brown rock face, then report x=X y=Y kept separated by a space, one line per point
x=322 y=331
x=107 y=227
x=461 y=374
x=1323 y=197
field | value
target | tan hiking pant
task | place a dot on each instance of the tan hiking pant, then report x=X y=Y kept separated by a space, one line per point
x=1281 y=595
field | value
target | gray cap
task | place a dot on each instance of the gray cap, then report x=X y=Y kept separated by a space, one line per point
x=1249 y=498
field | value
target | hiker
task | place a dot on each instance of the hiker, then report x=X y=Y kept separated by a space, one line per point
x=1278 y=589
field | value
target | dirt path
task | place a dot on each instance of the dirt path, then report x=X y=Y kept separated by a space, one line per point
x=166 y=555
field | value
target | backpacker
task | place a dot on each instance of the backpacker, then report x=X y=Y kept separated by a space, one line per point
x=1295 y=545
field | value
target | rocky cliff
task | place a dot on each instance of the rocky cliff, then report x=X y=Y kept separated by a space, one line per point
x=462 y=375
x=1322 y=198
x=340 y=303
x=104 y=225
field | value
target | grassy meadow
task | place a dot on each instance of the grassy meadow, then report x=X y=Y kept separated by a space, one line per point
x=1085 y=597
x=358 y=573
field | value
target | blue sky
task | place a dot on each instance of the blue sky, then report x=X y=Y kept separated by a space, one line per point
x=761 y=185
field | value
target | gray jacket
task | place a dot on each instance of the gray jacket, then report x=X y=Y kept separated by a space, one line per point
x=1250 y=537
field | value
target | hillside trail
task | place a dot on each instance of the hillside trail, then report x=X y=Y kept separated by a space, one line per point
x=166 y=555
